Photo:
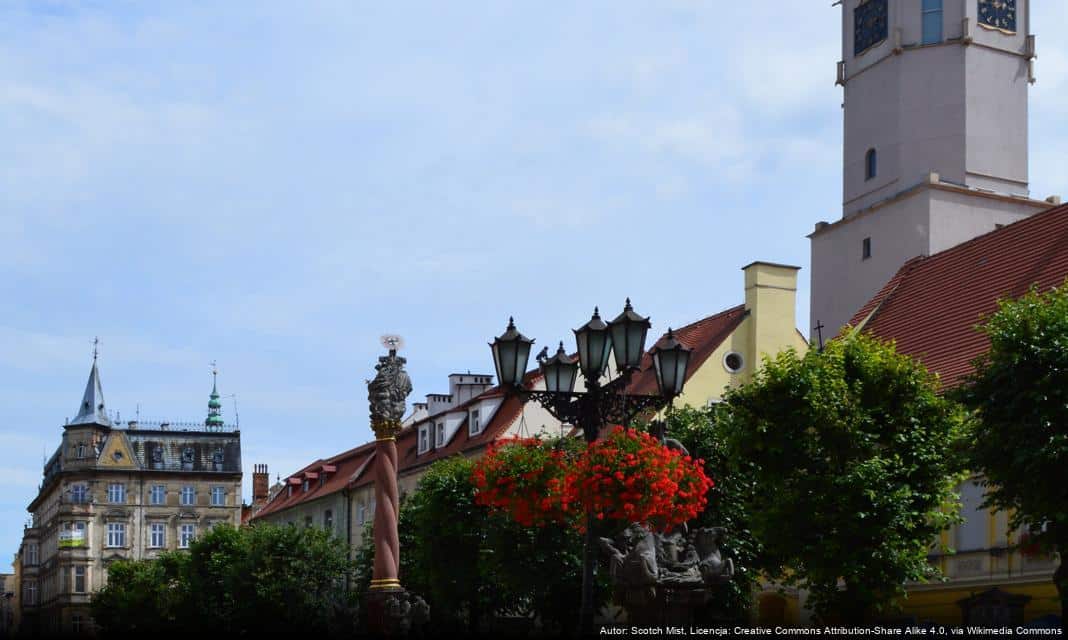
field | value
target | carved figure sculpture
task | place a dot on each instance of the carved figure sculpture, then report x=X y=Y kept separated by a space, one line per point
x=389 y=389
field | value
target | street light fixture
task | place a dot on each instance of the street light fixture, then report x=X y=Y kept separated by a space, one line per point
x=670 y=360
x=560 y=372
x=601 y=403
x=511 y=350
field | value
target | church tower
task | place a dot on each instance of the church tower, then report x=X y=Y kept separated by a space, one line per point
x=935 y=139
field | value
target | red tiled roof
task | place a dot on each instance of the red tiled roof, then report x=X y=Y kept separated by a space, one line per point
x=351 y=465
x=703 y=336
x=932 y=304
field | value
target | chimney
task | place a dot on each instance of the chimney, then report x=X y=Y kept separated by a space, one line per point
x=260 y=484
x=771 y=302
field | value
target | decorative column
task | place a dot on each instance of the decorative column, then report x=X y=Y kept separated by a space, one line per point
x=390 y=609
x=387 y=543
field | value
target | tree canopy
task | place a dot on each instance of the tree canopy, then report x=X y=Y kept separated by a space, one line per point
x=854 y=459
x=280 y=579
x=1019 y=392
x=470 y=564
x=701 y=431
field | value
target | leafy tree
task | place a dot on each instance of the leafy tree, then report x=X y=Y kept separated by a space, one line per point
x=279 y=579
x=141 y=595
x=469 y=563
x=701 y=431
x=854 y=460
x=1019 y=391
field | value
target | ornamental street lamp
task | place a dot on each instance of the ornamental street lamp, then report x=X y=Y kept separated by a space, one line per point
x=603 y=402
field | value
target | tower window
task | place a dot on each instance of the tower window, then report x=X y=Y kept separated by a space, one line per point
x=865 y=249
x=932 y=21
x=871 y=164
x=869 y=25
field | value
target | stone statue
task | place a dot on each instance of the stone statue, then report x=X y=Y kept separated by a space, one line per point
x=389 y=389
x=662 y=578
x=714 y=569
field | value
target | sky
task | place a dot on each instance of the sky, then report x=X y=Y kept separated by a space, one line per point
x=275 y=185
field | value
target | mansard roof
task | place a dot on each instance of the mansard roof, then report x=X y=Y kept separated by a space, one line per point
x=932 y=304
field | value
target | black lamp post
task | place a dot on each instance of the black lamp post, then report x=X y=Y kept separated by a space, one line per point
x=602 y=402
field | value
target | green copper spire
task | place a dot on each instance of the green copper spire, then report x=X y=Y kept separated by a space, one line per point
x=214 y=419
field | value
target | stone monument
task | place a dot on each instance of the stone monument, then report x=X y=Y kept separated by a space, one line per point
x=390 y=609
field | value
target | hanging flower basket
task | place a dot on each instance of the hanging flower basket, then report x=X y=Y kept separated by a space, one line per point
x=626 y=477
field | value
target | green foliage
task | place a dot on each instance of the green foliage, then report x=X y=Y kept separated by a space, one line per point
x=280 y=579
x=701 y=431
x=855 y=457
x=470 y=564
x=141 y=595
x=1019 y=392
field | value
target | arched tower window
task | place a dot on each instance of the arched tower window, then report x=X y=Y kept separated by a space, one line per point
x=870 y=164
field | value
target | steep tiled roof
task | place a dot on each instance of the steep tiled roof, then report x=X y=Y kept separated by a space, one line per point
x=353 y=466
x=350 y=465
x=932 y=305
x=703 y=336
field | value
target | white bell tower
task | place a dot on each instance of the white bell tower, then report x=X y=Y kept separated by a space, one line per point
x=935 y=139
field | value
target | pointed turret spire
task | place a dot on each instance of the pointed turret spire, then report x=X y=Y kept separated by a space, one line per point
x=214 y=419
x=92 y=411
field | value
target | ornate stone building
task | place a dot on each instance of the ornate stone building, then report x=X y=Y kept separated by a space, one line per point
x=115 y=492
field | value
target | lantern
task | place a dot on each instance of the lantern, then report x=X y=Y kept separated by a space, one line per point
x=560 y=372
x=670 y=360
x=628 y=338
x=594 y=343
x=511 y=350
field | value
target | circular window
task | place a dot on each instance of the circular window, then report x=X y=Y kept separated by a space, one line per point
x=733 y=362
x=117 y=455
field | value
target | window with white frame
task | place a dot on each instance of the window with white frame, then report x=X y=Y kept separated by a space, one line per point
x=31 y=554
x=218 y=496
x=186 y=533
x=328 y=520
x=116 y=493
x=31 y=592
x=79 y=578
x=189 y=495
x=361 y=513
x=972 y=533
x=304 y=486
x=116 y=534
x=158 y=494
x=441 y=434
x=424 y=439
x=79 y=493
x=476 y=426
x=157 y=535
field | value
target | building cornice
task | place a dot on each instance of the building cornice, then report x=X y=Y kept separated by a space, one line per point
x=933 y=183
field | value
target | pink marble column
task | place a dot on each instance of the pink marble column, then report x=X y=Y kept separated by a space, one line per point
x=387 y=541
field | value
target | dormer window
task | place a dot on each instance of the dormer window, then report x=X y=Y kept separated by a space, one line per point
x=424 y=439
x=475 y=426
x=441 y=434
x=157 y=455
x=187 y=458
x=81 y=450
x=304 y=486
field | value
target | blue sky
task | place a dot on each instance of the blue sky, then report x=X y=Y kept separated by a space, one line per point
x=275 y=185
